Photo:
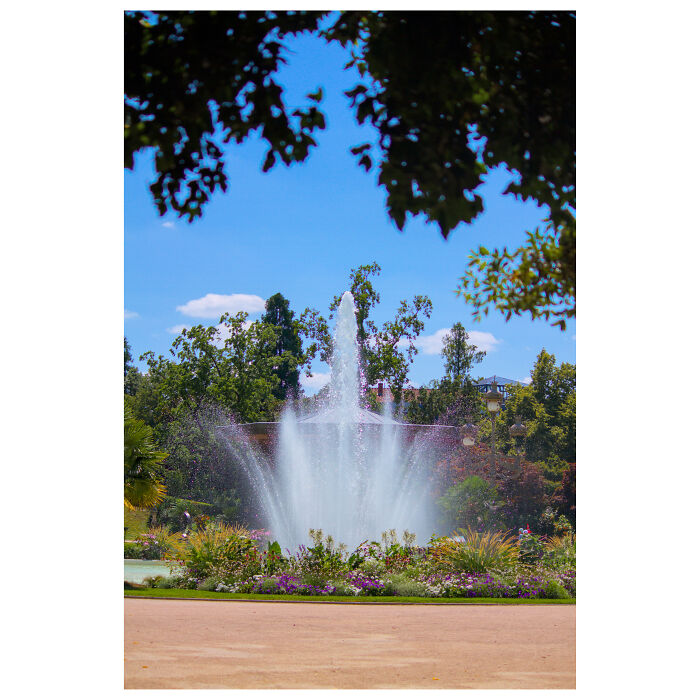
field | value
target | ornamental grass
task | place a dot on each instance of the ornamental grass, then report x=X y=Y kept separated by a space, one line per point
x=225 y=550
x=157 y=543
x=475 y=552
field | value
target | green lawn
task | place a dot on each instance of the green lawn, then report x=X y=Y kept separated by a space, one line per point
x=135 y=522
x=183 y=593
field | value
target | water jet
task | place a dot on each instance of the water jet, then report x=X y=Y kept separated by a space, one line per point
x=346 y=470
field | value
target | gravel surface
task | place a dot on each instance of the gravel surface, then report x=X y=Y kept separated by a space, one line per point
x=231 y=644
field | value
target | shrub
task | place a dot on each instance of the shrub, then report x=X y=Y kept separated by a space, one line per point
x=171 y=513
x=555 y=590
x=209 y=584
x=128 y=586
x=524 y=496
x=167 y=582
x=314 y=578
x=161 y=582
x=565 y=495
x=530 y=548
x=560 y=552
x=562 y=527
x=272 y=559
x=403 y=585
x=568 y=580
x=372 y=567
x=474 y=552
x=470 y=504
x=220 y=551
x=268 y=585
x=133 y=550
x=546 y=521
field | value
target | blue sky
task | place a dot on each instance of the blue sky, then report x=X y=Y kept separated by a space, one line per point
x=300 y=230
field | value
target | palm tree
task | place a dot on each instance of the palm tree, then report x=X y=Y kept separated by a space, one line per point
x=142 y=485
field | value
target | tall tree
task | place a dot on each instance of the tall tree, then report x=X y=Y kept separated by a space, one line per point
x=453 y=400
x=128 y=359
x=132 y=377
x=288 y=348
x=459 y=354
x=450 y=95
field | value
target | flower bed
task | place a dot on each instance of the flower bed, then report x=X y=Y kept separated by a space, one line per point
x=478 y=565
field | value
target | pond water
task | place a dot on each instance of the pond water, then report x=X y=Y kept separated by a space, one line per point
x=136 y=570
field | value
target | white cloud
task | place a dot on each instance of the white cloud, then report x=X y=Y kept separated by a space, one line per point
x=168 y=224
x=483 y=341
x=130 y=314
x=432 y=344
x=316 y=381
x=214 y=305
x=526 y=380
x=221 y=335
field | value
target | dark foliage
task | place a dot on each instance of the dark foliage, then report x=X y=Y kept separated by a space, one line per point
x=565 y=495
x=287 y=348
x=450 y=95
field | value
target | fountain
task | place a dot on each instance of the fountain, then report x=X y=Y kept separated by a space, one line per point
x=348 y=471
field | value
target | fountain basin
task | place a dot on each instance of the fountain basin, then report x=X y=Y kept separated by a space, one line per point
x=265 y=433
x=138 y=570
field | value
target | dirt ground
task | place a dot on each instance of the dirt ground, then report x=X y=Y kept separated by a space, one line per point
x=231 y=644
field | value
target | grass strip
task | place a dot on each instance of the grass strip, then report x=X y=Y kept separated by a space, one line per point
x=212 y=595
x=135 y=522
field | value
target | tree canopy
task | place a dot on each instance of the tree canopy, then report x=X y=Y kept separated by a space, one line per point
x=548 y=408
x=450 y=95
x=231 y=365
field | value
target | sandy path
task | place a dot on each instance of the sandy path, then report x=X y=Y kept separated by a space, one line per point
x=228 y=644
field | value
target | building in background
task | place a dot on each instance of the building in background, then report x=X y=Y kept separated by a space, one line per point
x=502 y=383
x=384 y=395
